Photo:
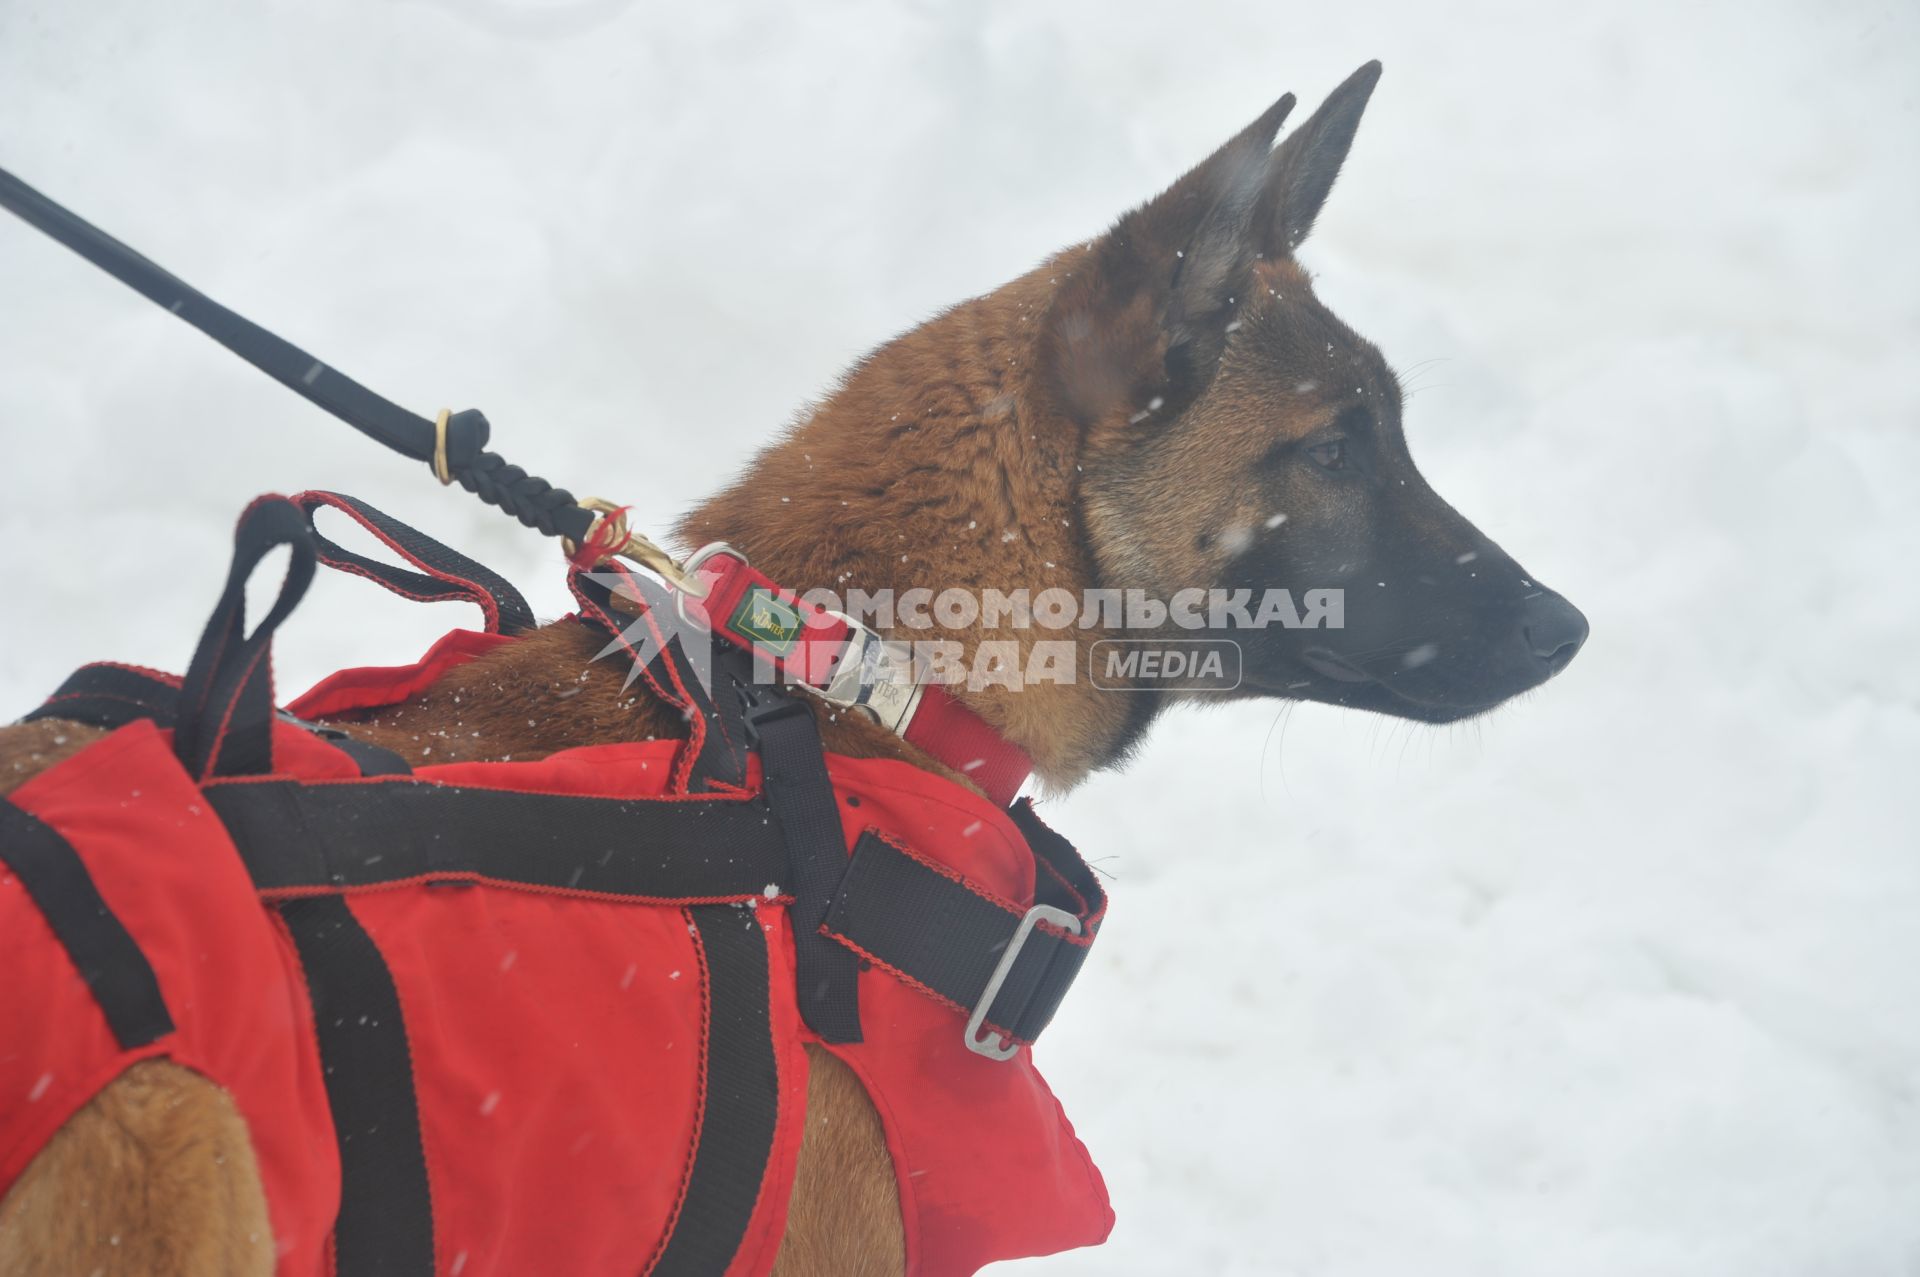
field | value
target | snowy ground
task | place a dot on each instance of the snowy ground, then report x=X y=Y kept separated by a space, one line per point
x=1621 y=981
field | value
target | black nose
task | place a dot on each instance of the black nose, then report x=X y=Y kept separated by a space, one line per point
x=1554 y=629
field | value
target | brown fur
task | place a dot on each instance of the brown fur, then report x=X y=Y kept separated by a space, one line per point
x=1099 y=423
x=844 y=1218
x=155 y=1176
x=31 y=748
x=940 y=463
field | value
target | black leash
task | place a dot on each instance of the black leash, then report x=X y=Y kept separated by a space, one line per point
x=454 y=445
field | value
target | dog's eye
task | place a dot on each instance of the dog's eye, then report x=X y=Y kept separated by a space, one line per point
x=1331 y=455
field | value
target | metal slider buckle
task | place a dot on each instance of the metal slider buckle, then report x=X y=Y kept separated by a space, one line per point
x=990 y=1045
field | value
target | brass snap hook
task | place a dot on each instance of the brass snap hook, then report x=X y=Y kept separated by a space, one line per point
x=612 y=531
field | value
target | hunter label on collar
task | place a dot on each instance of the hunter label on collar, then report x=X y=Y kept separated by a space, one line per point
x=766 y=620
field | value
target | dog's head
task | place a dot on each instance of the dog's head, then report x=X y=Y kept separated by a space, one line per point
x=1237 y=435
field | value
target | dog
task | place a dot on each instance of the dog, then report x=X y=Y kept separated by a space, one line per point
x=1165 y=407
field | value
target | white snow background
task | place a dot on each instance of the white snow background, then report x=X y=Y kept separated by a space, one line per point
x=1622 y=980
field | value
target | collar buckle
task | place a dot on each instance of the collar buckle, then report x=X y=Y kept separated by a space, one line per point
x=875 y=676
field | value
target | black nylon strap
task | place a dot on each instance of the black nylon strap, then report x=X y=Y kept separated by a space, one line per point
x=343 y=834
x=722 y=760
x=223 y=725
x=729 y=738
x=742 y=1109
x=1062 y=878
x=385 y=1225
x=111 y=696
x=721 y=757
x=801 y=794
x=100 y=948
x=444 y=573
x=942 y=934
x=528 y=498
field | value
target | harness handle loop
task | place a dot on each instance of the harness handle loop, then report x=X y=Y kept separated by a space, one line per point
x=444 y=573
x=224 y=724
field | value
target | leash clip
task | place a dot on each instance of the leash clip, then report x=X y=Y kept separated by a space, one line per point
x=612 y=532
x=996 y=1046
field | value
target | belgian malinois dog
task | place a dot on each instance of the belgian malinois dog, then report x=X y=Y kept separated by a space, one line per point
x=1136 y=413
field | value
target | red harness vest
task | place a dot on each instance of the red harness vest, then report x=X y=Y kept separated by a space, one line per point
x=530 y=1017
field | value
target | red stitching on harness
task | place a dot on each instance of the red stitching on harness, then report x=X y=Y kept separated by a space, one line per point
x=696 y=722
x=421 y=778
x=475 y=592
x=1018 y=843
x=158 y=675
x=720 y=721
x=401 y=998
x=219 y=654
x=394 y=587
x=1041 y=862
x=94 y=696
x=464 y=878
x=991 y=897
x=699 y=1099
x=912 y=983
x=233 y=703
x=1090 y=923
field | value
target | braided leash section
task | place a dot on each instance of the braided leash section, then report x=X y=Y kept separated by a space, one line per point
x=527 y=497
x=459 y=451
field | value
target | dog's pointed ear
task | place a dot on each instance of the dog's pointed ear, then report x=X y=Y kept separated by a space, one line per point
x=1302 y=169
x=1163 y=278
x=1212 y=270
